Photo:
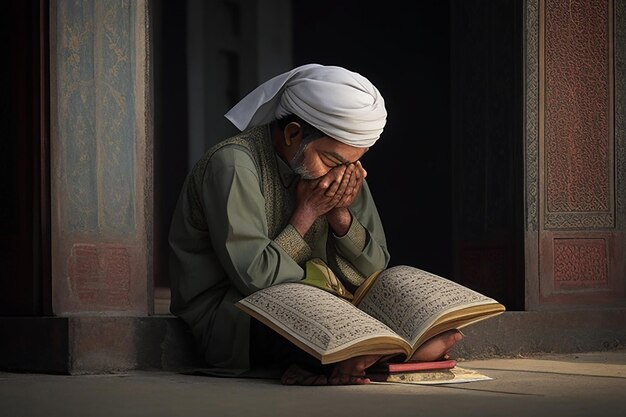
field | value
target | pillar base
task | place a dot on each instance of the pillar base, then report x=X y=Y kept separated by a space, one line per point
x=95 y=344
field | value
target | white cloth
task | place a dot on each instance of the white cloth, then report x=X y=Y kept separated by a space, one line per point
x=343 y=104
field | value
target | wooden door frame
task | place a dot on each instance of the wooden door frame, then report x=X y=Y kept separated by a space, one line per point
x=582 y=228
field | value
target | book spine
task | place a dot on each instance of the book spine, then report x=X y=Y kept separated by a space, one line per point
x=421 y=366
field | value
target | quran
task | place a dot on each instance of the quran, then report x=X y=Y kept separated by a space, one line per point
x=392 y=313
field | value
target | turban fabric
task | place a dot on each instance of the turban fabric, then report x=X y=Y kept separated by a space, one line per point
x=342 y=104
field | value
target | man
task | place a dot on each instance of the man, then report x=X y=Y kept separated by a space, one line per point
x=289 y=188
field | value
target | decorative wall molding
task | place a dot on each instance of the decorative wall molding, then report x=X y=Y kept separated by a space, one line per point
x=532 y=115
x=620 y=112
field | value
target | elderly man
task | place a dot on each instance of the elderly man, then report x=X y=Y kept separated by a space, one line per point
x=258 y=205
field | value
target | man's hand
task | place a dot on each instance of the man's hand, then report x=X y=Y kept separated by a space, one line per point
x=339 y=218
x=357 y=174
x=314 y=198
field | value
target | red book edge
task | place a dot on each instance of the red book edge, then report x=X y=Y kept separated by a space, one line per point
x=415 y=366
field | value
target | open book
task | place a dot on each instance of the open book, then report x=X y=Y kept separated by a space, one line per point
x=392 y=313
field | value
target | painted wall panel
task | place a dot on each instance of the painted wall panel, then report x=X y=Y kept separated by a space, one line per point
x=76 y=102
x=101 y=157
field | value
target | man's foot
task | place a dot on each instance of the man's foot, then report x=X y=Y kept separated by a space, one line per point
x=296 y=375
x=348 y=372
x=352 y=371
x=437 y=347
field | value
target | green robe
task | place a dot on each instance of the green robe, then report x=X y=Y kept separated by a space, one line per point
x=230 y=236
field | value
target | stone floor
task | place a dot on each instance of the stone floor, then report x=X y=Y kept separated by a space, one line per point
x=583 y=384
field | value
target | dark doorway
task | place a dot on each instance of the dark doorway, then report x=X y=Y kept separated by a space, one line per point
x=24 y=161
x=169 y=40
x=447 y=173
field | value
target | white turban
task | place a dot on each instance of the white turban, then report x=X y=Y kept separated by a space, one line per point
x=343 y=104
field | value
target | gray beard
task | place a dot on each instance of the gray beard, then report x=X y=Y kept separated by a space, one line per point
x=303 y=172
x=297 y=164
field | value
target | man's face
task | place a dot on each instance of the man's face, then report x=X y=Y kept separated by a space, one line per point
x=316 y=158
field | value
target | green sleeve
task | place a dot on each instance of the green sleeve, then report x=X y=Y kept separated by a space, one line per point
x=235 y=211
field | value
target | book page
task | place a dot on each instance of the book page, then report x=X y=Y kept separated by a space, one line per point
x=322 y=321
x=409 y=299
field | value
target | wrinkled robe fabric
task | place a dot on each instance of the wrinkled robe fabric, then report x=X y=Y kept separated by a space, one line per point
x=230 y=236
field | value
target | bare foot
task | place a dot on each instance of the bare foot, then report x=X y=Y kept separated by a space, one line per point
x=296 y=375
x=352 y=371
x=437 y=347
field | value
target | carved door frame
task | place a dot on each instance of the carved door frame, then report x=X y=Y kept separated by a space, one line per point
x=575 y=141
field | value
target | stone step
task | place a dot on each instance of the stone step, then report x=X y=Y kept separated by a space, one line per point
x=107 y=344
